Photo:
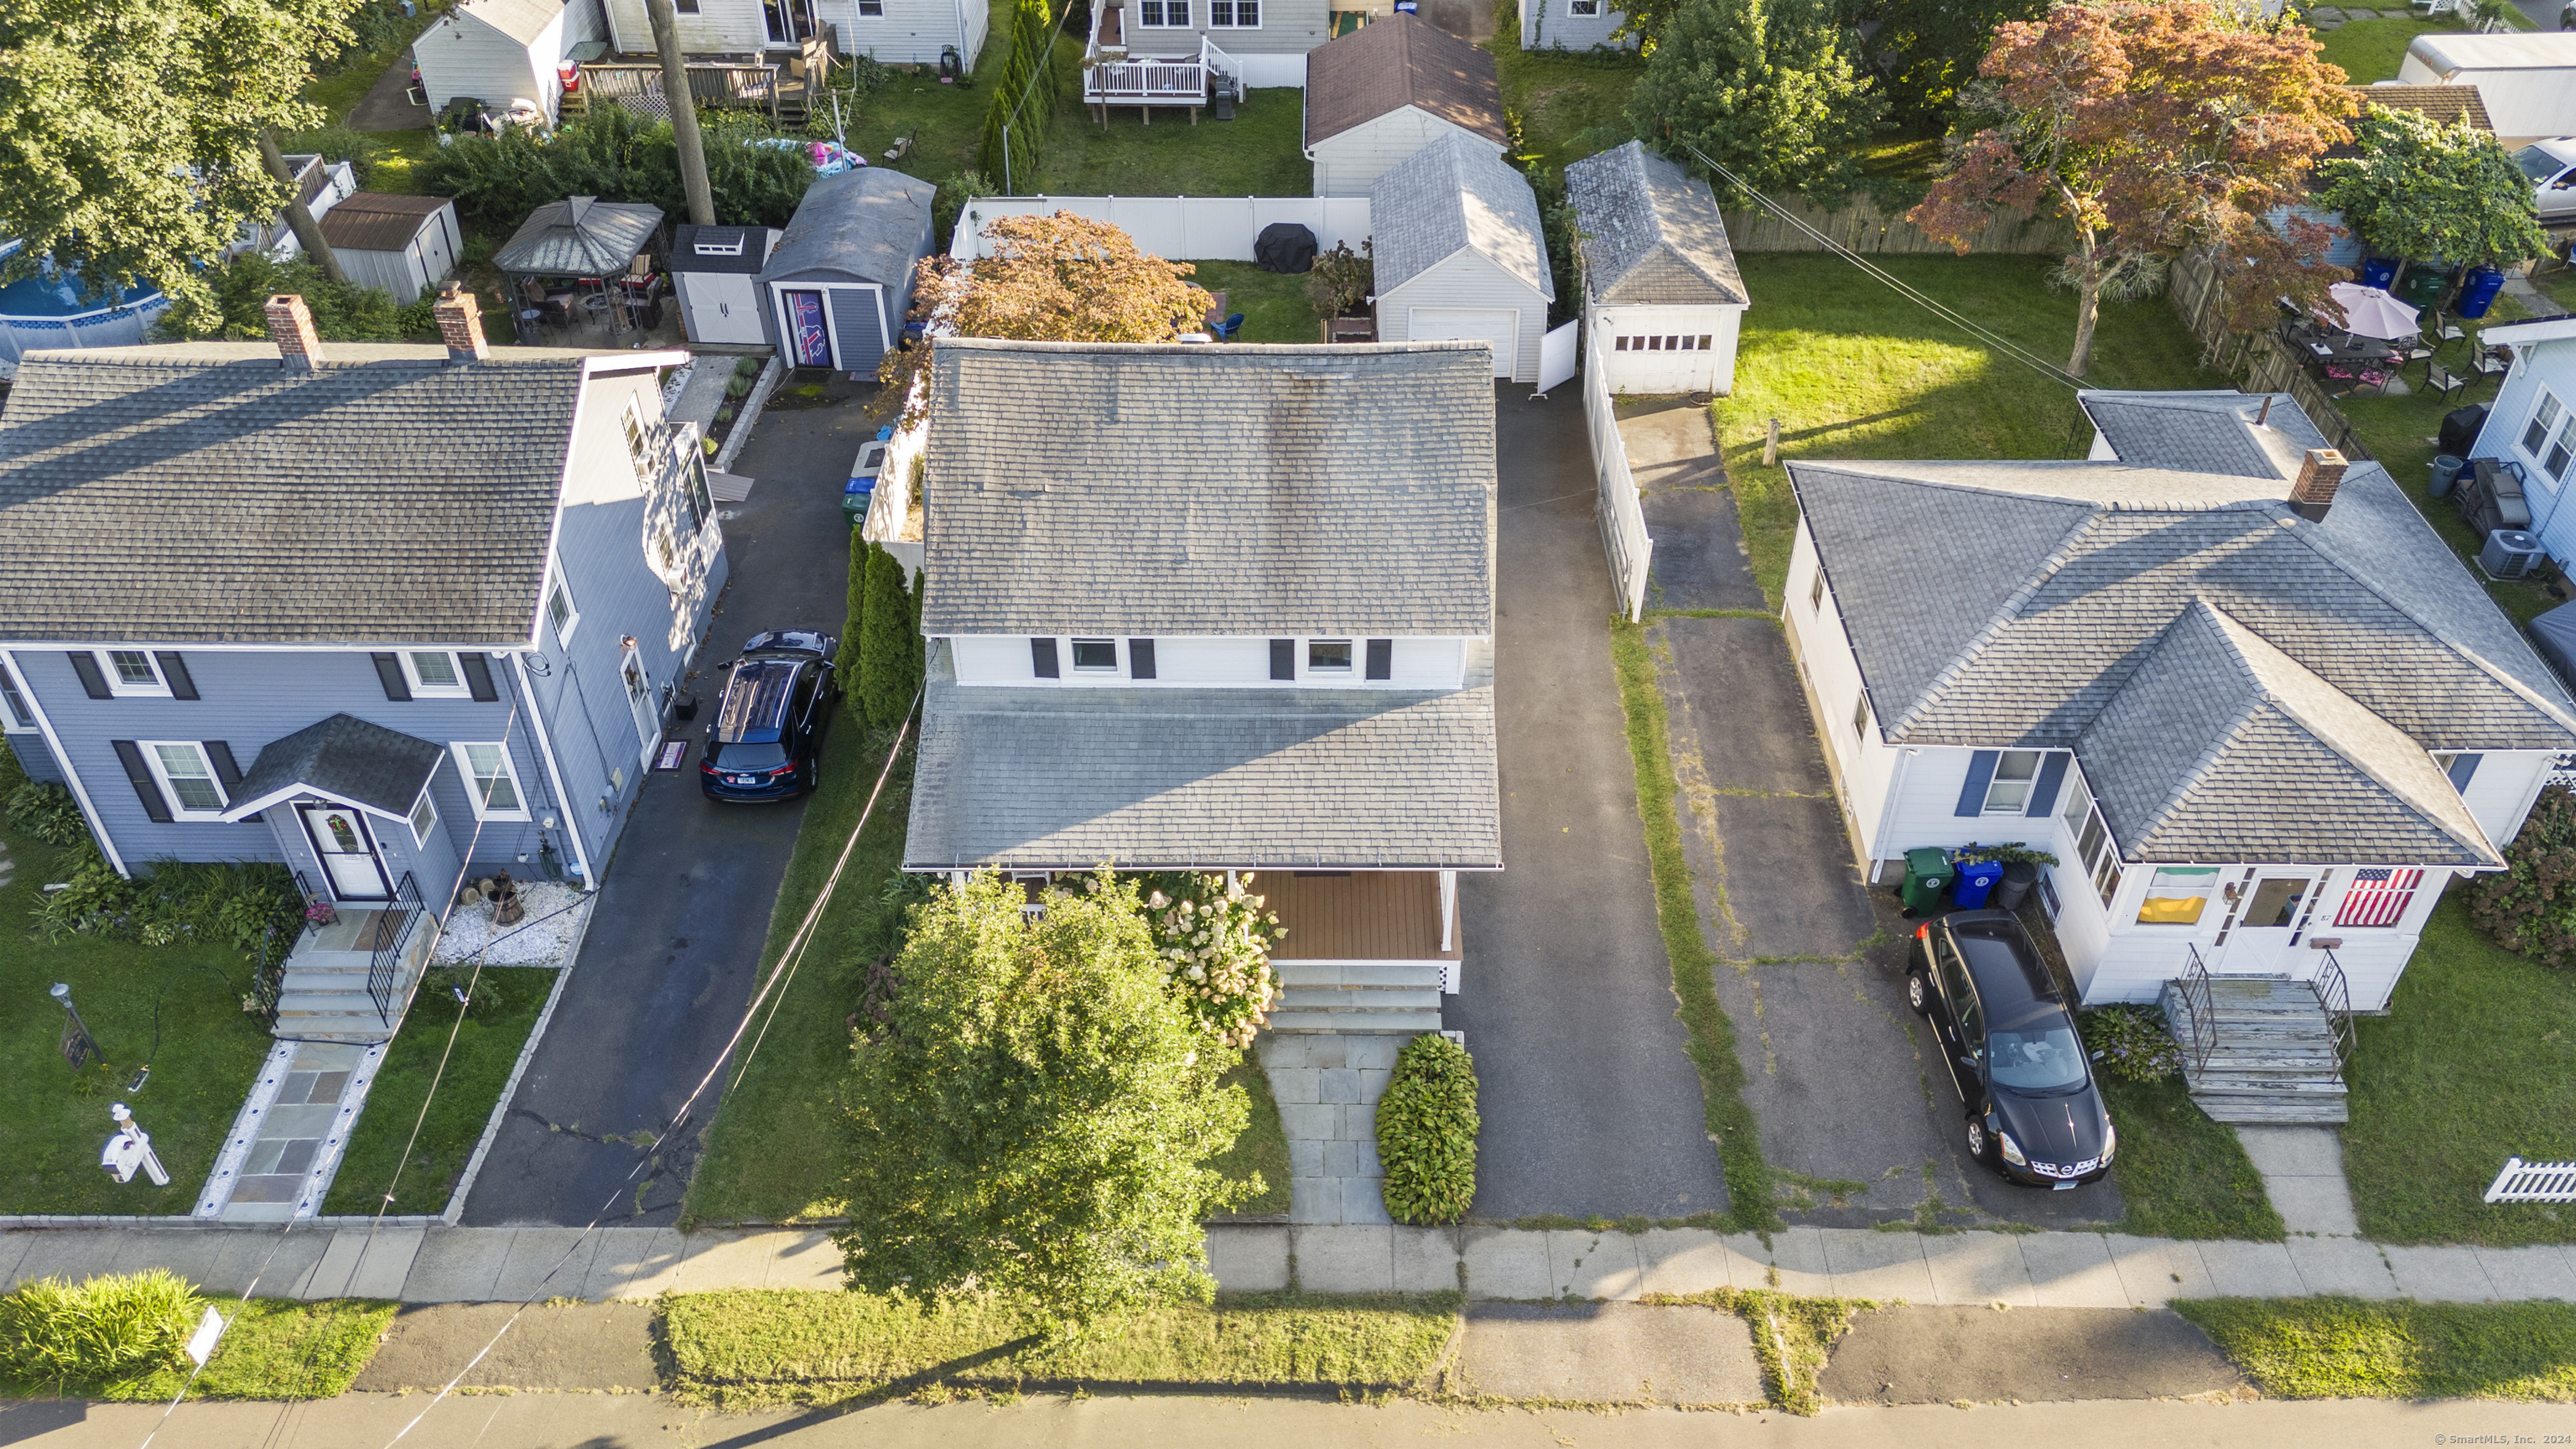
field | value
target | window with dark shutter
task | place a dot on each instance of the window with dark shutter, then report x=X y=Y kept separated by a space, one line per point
x=389 y=670
x=1042 y=658
x=478 y=676
x=1981 y=773
x=1283 y=659
x=219 y=753
x=93 y=679
x=174 y=673
x=1381 y=659
x=155 y=804
x=1140 y=658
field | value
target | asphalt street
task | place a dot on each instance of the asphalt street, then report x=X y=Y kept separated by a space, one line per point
x=1589 y=1102
x=684 y=904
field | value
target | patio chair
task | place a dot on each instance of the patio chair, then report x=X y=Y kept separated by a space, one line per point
x=2441 y=381
x=1232 y=324
x=2487 y=362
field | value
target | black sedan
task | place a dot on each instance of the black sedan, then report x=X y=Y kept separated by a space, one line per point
x=2034 y=1115
x=769 y=725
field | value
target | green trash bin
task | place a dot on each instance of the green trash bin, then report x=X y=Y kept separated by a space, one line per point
x=2424 y=283
x=1927 y=874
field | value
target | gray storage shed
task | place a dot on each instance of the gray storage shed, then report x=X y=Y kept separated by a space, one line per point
x=714 y=268
x=404 y=244
x=836 y=290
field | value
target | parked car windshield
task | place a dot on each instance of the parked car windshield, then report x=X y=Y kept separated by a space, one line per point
x=2537 y=164
x=2037 y=1056
x=755 y=755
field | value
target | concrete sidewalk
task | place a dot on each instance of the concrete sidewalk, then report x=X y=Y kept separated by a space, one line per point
x=2024 y=1270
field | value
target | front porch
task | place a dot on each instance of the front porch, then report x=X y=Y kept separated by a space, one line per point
x=1366 y=951
x=349 y=981
x=2263 y=1049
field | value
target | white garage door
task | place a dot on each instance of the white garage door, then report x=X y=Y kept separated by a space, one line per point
x=1500 y=326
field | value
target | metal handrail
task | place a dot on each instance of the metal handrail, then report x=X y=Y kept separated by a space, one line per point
x=2334 y=993
x=392 y=929
x=2201 y=1007
x=304 y=893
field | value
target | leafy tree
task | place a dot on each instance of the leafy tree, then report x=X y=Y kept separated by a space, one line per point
x=1340 y=280
x=845 y=662
x=1927 y=51
x=2530 y=907
x=237 y=292
x=888 y=674
x=2153 y=126
x=2424 y=191
x=1035 y=1114
x=130 y=132
x=1766 y=88
x=1059 y=278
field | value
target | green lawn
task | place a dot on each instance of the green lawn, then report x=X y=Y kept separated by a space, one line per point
x=2371 y=50
x=277 y=1348
x=946 y=123
x=2474 y=1062
x=1568 y=107
x=1852 y=370
x=487 y=1047
x=788 y=1093
x=744 y=1349
x=340 y=92
x=1263 y=1147
x=2343 y=1348
x=1255 y=154
x=2180 y=1174
x=209 y=1052
x=1273 y=304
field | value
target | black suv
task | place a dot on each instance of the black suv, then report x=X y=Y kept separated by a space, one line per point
x=2012 y=1049
x=769 y=725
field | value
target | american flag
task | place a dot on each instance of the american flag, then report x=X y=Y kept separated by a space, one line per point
x=2377 y=897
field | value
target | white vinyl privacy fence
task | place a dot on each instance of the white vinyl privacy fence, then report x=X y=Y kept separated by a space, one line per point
x=1184 y=228
x=1622 y=509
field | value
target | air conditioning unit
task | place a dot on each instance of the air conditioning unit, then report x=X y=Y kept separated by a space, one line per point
x=2511 y=553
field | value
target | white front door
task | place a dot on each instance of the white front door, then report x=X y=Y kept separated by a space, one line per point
x=647 y=707
x=348 y=850
x=2270 y=908
x=1499 y=326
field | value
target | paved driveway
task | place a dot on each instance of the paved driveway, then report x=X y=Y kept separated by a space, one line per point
x=1837 y=1067
x=1590 y=1104
x=684 y=904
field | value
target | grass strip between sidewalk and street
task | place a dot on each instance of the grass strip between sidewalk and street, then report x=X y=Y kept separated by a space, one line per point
x=2346 y=1348
x=1793 y=1337
x=488 y=1043
x=756 y=1347
x=1694 y=965
x=275 y=1348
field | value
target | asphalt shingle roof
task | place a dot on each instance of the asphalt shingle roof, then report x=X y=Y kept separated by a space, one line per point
x=2442 y=105
x=374 y=221
x=349 y=759
x=2204 y=432
x=1652 y=234
x=1398 y=61
x=1079 y=488
x=205 y=492
x=1243 y=778
x=869 y=223
x=1447 y=197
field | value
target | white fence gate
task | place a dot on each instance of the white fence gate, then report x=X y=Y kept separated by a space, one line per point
x=1622 y=507
x=1557 y=358
x=1184 y=228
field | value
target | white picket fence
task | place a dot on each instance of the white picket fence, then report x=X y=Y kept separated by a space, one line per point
x=2534 y=1182
x=1622 y=507
x=1183 y=228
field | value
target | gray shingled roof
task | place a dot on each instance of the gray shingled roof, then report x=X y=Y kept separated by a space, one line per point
x=2222 y=748
x=868 y=223
x=2204 y=432
x=1045 y=778
x=2053 y=584
x=204 y=492
x=580 y=236
x=345 y=758
x=1652 y=233
x=1179 y=489
x=1450 y=196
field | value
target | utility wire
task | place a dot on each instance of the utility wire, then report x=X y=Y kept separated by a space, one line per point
x=2009 y=348
x=778 y=976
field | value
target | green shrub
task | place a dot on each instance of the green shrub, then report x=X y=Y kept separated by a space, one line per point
x=737 y=387
x=2133 y=1042
x=48 y=813
x=845 y=664
x=106 y=1328
x=1426 y=1132
x=889 y=661
x=616 y=156
x=749 y=367
x=2530 y=907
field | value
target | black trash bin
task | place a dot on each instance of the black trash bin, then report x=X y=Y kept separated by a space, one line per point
x=2019 y=877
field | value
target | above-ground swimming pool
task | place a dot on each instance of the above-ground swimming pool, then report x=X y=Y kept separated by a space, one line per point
x=49 y=310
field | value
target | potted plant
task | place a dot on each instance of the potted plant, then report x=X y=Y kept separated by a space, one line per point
x=319 y=912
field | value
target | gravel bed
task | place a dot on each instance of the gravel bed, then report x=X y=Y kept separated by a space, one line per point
x=532 y=942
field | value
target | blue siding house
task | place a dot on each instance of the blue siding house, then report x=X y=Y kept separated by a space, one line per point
x=389 y=614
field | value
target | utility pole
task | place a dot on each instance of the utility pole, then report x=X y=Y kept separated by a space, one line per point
x=315 y=248
x=684 y=112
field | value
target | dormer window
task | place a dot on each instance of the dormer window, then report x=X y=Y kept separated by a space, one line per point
x=709 y=247
x=1328 y=655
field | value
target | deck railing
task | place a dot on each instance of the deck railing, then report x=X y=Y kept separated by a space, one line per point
x=2334 y=993
x=2198 y=1004
x=385 y=941
x=1148 y=80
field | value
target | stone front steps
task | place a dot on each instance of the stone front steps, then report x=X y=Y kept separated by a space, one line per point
x=1356 y=997
x=2273 y=1057
x=325 y=997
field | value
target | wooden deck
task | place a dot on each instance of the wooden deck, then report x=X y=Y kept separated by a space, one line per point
x=1362 y=916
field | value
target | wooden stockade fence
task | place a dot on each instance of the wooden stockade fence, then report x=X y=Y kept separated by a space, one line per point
x=2267 y=363
x=1860 y=225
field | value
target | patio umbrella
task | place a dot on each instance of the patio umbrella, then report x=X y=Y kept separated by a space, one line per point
x=2370 y=312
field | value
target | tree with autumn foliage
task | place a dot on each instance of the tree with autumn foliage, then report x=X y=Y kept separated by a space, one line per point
x=2153 y=129
x=1059 y=278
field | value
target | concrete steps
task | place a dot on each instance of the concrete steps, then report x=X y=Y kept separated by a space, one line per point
x=2272 y=1056
x=1379 y=996
x=324 y=995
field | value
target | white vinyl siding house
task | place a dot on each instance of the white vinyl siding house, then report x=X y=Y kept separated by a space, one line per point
x=1571 y=25
x=903 y=32
x=2532 y=424
x=1347 y=164
x=1460 y=255
x=1202 y=661
x=500 y=51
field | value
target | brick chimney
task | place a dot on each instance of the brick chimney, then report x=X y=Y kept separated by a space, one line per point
x=290 y=326
x=460 y=324
x=2320 y=473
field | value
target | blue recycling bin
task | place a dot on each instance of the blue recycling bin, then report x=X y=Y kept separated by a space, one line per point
x=2478 y=292
x=2378 y=272
x=1976 y=881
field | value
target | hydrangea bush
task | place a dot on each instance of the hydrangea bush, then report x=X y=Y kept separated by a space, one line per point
x=2134 y=1042
x=1214 y=939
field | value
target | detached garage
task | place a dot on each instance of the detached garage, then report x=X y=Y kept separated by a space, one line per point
x=1384 y=91
x=835 y=292
x=1460 y=255
x=1662 y=299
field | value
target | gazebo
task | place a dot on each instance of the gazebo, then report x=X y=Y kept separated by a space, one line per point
x=583 y=254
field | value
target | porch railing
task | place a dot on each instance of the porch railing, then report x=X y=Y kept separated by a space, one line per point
x=386 y=940
x=2334 y=993
x=1173 y=80
x=2200 y=1007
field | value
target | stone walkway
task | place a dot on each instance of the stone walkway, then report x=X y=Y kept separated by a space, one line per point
x=285 y=1145
x=1327 y=1089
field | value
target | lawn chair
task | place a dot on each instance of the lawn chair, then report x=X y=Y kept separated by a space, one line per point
x=1232 y=324
x=2492 y=361
x=2441 y=381
x=2438 y=332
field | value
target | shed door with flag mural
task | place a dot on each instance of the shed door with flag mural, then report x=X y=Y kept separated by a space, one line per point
x=809 y=332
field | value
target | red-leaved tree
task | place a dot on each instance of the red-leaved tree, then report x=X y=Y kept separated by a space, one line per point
x=2152 y=128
